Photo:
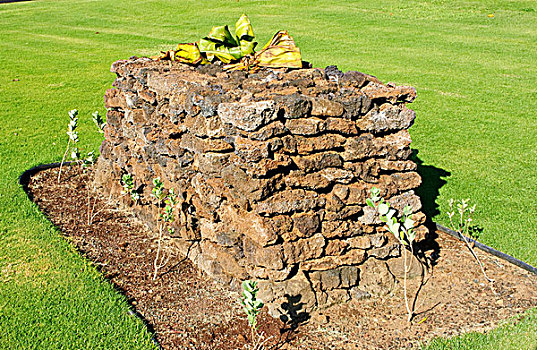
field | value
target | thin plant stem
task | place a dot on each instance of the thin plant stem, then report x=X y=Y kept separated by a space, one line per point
x=156 y=262
x=410 y=313
x=89 y=206
x=464 y=234
x=95 y=213
x=63 y=160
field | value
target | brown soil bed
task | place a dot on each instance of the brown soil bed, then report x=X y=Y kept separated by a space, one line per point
x=188 y=310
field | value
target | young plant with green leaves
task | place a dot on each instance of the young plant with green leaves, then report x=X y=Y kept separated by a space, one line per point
x=73 y=138
x=99 y=122
x=402 y=228
x=167 y=215
x=88 y=161
x=462 y=225
x=90 y=157
x=252 y=307
x=127 y=182
x=167 y=218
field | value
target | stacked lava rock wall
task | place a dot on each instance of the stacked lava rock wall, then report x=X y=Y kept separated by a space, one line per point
x=272 y=169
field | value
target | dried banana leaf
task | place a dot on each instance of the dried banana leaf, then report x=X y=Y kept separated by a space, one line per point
x=189 y=53
x=281 y=51
x=164 y=56
x=220 y=44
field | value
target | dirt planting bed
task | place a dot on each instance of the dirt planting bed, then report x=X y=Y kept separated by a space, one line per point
x=188 y=310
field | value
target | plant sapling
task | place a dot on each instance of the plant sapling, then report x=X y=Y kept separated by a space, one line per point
x=252 y=307
x=167 y=217
x=73 y=137
x=402 y=229
x=461 y=225
x=127 y=182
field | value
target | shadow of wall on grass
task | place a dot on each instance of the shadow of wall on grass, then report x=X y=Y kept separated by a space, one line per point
x=9 y=1
x=432 y=179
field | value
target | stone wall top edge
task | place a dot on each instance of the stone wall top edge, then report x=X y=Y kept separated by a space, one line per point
x=308 y=81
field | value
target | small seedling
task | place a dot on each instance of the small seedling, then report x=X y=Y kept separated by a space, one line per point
x=402 y=229
x=73 y=138
x=252 y=307
x=99 y=122
x=71 y=148
x=88 y=161
x=165 y=218
x=461 y=225
x=127 y=183
x=158 y=190
x=167 y=215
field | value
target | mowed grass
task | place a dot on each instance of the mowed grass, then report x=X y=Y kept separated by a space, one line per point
x=475 y=130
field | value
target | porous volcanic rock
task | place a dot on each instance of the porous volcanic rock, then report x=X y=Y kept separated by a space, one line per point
x=272 y=170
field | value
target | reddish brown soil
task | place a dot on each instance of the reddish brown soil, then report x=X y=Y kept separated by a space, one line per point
x=188 y=310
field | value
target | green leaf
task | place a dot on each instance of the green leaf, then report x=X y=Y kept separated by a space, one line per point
x=409 y=223
x=369 y=203
x=411 y=235
x=73 y=113
x=222 y=53
x=247 y=47
x=221 y=34
x=206 y=46
x=243 y=29
x=390 y=215
x=247 y=294
x=383 y=208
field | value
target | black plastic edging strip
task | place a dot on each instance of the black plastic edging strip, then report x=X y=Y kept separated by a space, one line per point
x=24 y=178
x=488 y=249
x=24 y=181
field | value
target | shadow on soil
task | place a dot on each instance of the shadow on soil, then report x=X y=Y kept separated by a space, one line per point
x=294 y=311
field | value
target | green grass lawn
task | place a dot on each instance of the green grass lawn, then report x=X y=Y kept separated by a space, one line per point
x=475 y=130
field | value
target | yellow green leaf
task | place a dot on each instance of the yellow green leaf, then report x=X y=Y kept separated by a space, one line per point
x=281 y=51
x=221 y=34
x=188 y=53
x=206 y=46
x=247 y=47
x=243 y=29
